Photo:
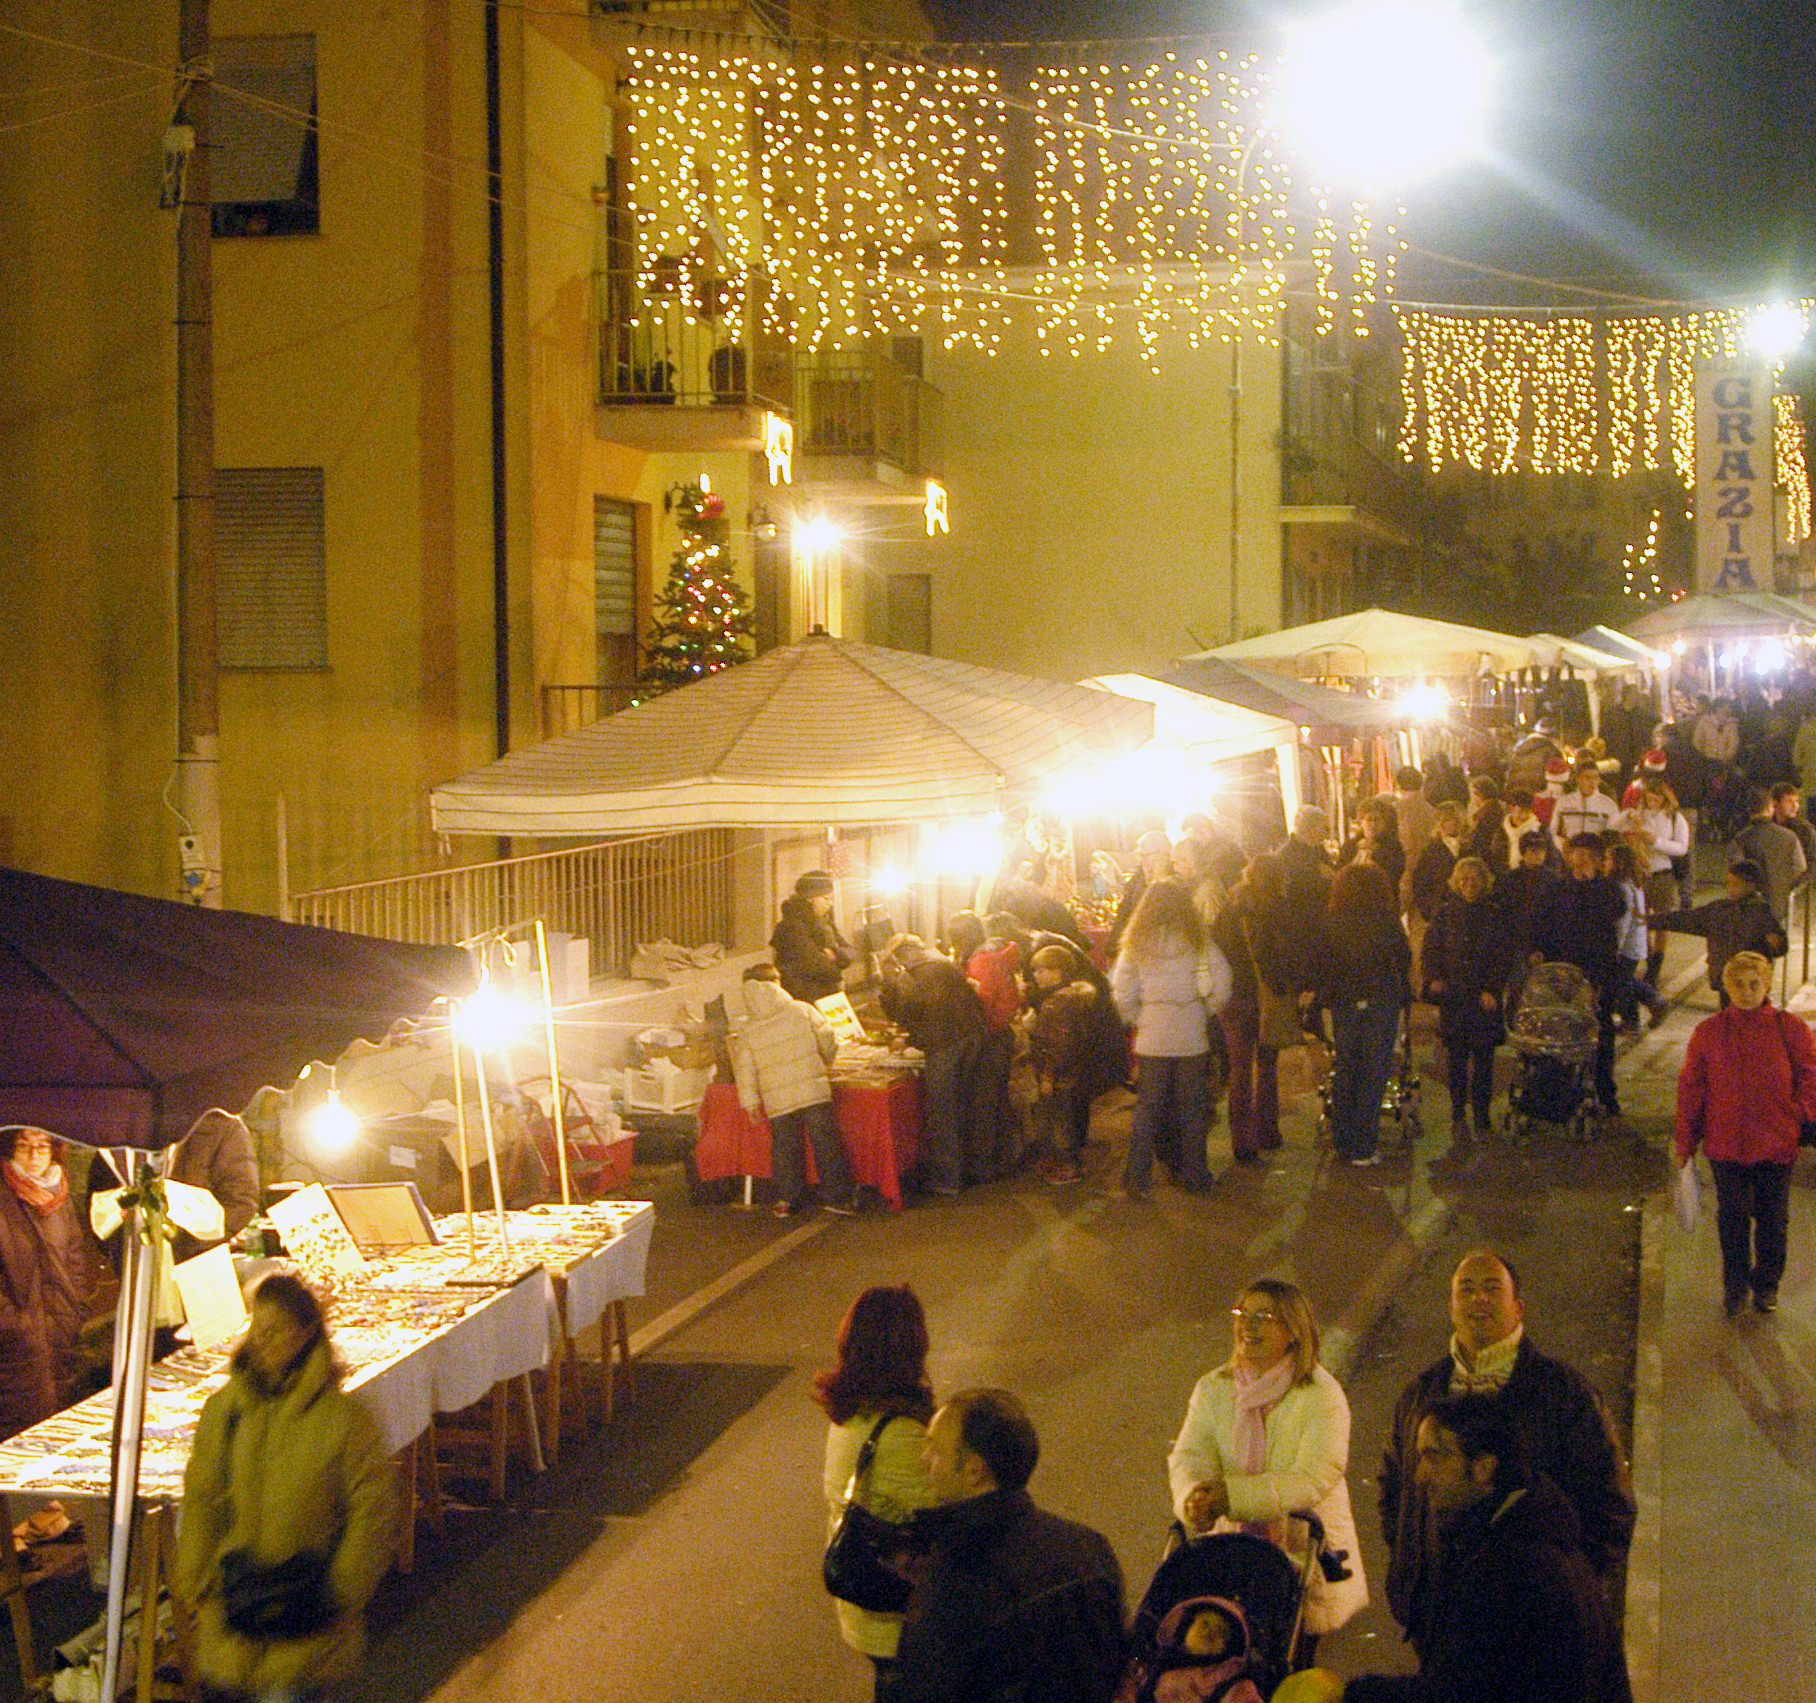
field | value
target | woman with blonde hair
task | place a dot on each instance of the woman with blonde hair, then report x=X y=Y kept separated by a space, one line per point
x=1266 y=1435
x=1169 y=981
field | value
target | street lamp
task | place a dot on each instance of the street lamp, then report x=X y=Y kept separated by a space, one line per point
x=1378 y=94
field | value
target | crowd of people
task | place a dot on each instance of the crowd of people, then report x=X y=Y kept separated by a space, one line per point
x=1504 y=1499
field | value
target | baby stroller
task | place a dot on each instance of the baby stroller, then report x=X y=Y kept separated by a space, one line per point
x=1400 y=1104
x=1555 y=1030
x=1224 y=1570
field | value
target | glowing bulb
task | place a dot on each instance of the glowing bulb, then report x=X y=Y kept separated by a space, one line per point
x=818 y=533
x=334 y=1125
x=485 y=1018
x=889 y=881
x=1778 y=329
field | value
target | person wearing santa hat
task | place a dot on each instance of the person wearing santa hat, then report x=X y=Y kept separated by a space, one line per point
x=1557 y=777
x=1652 y=767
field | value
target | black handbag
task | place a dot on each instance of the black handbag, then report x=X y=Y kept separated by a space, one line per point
x=289 y=1599
x=857 y=1566
x=283 y=1599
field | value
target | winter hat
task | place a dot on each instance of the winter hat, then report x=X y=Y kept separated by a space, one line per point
x=815 y=884
x=1557 y=772
x=1653 y=762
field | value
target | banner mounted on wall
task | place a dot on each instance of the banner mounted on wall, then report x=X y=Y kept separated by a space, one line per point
x=1735 y=465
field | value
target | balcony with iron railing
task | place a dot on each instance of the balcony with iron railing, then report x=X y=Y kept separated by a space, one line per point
x=867 y=429
x=676 y=372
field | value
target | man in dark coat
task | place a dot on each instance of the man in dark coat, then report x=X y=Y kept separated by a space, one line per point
x=810 y=953
x=1742 y=922
x=1014 y=1605
x=1774 y=847
x=1565 y=1430
x=932 y=1002
x=1516 y=1612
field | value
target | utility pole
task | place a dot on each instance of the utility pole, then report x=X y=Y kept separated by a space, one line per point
x=198 y=698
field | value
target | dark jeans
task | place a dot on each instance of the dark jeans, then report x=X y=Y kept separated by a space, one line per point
x=1254 y=1082
x=788 y=1138
x=1172 y=1114
x=1363 y=1036
x=946 y=1079
x=885 y=1677
x=1753 y=1219
x=1067 y=1114
x=1469 y=1058
x=1605 y=1090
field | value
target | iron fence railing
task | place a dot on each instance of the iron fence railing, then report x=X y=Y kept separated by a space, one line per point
x=615 y=893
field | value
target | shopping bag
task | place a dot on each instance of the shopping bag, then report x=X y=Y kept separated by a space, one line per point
x=1686 y=1196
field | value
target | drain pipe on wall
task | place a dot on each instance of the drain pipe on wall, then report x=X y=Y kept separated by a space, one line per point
x=501 y=575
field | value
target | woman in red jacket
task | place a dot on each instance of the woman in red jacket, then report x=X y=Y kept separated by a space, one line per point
x=1747 y=1086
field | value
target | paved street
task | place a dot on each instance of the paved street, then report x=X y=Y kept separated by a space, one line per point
x=673 y=1553
x=676 y=1554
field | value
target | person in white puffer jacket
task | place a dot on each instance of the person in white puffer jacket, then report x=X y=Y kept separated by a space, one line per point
x=780 y=1055
x=1170 y=980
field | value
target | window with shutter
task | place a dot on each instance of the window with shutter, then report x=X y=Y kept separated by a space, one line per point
x=271 y=576
x=615 y=590
x=263 y=178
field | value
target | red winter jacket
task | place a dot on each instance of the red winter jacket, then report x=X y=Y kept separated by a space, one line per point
x=992 y=970
x=1747 y=1085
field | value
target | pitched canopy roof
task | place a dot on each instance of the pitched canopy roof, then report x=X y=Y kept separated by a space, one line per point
x=824 y=731
x=125 y=1018
x=1303 y=702
x=1381 y=642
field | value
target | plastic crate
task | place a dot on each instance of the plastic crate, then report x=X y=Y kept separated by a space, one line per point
x=666 y=1087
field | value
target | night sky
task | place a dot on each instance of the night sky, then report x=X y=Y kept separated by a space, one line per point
x=1663 y=147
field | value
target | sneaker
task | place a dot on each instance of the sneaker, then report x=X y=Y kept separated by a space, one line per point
x=1765 y=1300
x=1657 y=1015
x=1059 y=1172
x=844 y=1205
x=1363 y=1161
x=783 y=1209
x=1732 y=1303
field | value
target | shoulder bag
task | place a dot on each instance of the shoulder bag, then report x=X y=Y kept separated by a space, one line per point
x=858 y=1567
x=1806 y=1128
x=267 y=1601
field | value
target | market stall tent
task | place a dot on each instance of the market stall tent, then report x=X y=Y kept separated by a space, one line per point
x=1742 y=615
x=127 y=1017
x=1384 y=643
x=828 y=731
x=1204 y=731
x=1304 y=702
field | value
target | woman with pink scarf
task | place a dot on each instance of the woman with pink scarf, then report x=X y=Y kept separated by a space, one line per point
x=49 y=1268
x=1267 y=1435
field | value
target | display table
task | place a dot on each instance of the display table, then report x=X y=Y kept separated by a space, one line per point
x=879 y=1123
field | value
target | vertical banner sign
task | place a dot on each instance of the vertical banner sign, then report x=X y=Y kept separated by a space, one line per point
x=1734 y=471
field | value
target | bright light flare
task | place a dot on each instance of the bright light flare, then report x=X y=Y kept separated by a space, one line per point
x=889 y=881
x=817 y=533
x=485 y=1018
x=1778 y=329
x=1385 y=91
x=335 y=1124
x=1153 y=777
x=967 y=849
x=1422 y=703
x=1679 y=646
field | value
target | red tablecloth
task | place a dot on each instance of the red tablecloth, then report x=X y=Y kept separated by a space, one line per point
x=880 y=1126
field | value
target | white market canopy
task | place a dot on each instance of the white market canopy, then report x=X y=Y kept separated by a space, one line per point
x=1385 y=643
x=825 y=731
x=1552 y=651
x=1745 y=614
x=1205 y=728
x=1620 y=644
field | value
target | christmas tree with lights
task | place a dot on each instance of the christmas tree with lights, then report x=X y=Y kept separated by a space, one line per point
x=702 y=621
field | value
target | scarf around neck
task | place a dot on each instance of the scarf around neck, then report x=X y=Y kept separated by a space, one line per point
x=42 y=1194
x=1492 y=1367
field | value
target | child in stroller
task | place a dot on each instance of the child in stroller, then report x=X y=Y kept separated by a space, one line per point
x=1553 y=1024
x=1221 y=1619
x=1201 y=1655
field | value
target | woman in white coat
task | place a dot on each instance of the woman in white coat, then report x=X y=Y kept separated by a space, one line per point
x=1267 y=1435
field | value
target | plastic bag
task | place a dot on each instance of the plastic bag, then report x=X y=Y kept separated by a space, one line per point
x=1686 y=1196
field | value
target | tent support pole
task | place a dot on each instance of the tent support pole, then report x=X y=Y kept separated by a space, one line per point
x=485 y=1119
x=140 y=1288
x=466 y=1160
x=548 y=1013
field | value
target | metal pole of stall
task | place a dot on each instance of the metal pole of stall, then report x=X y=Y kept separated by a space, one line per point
x=548 y=1013
x=460 y=1132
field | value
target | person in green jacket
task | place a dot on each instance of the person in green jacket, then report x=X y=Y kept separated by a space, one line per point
x=285 y=1463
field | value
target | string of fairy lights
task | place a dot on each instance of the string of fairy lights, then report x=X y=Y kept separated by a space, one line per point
x=829 y=199
x=1577 y=393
